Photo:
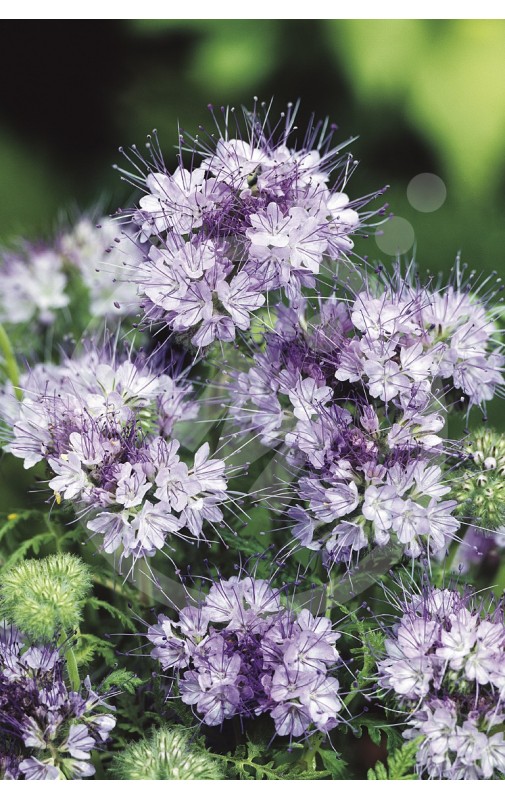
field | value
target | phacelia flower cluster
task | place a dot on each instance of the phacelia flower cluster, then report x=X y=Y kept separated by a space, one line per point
x=445 y=665
x=104 y=426
x=370 y=467
x=241 y=654
x=406 y=334
x=39 y=281
x=103 y=252
x=34 y=284
x=256 y=215
x=48 y=732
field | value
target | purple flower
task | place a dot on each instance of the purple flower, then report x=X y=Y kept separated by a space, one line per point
x=445 y=666
x=105 y=428
x=241 y=653
x=47 y=730
x=255 y=216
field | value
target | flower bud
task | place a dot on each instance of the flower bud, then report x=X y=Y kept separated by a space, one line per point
x=168 y=754
x=45 y=597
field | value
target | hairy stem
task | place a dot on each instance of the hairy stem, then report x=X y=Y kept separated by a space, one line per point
x=10 y=364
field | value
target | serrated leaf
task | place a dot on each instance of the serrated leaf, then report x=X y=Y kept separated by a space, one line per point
x=123 y=618
x=332 y=761
x=123 y=679
x=399 y=765
x=90 y=645
x=34 y=544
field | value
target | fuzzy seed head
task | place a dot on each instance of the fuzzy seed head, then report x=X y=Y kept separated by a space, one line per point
x=45 y=597
x=168 y=754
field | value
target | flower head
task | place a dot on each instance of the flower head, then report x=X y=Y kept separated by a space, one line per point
x=168 y=754
x=240 y=653
x=104 y=425
x=445 y=664
x=48 y=731
x=33 y=284
x=255 y=215
x=370 y=464
x=45 y=597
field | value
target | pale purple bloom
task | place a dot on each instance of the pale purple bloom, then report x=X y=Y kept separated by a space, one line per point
x=445 y=667
x=105 y=428
x=241 y=653
x=254 y=216
x=47 y=730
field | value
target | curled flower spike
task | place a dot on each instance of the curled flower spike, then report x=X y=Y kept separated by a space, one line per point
x=445 y=667
x=240 y=653
x=481 y=488
x=44 y=597
x=48 y=731
x=105 y=425
x=167 y=754
x=254 y=216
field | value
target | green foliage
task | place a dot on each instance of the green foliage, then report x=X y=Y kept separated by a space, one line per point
x=45 y=597
x=115 y=612
x=168 y=754
x=122 y=679
x=400 y=765
x=307 y=761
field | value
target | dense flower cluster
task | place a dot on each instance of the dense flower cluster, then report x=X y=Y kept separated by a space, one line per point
x=47 y=731
x=368 y=472
x=255 y=216
x=104 y=426
x=38 y=279
x=102 y=253
x=446 y=665
x=34 y=284
x=240 y=653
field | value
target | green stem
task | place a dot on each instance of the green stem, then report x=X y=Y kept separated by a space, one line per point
x=72 y=669
x=113 y=585
x=71 y=661
x=10 y=363
x=329 y=604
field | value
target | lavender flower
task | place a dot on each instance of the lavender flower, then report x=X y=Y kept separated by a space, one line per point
x=240 y=653
x=445 y=665
x=255 y=216
x=33 y=284
x=102 y=252
x=48 y=731
x=104 y=426
x=371 y=466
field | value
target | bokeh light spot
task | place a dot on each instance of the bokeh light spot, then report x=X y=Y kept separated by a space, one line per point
x=395 y=237
x=426 y=192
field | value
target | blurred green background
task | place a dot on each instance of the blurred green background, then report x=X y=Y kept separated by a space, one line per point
x=423 y=96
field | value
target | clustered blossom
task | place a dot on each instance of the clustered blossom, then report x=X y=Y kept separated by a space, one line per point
x=240 y=653
x=38 y=279
x=405 y=334
x=103 y=252
x=255 y=216
x=445 y=665
x=34 y=284
x=104 y=426
x=47 y=731
x=367 y=466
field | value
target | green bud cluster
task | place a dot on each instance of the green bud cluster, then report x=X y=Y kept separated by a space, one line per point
x=487 y=449
x=480 y=489
x=168 y=754
x=44 y=597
